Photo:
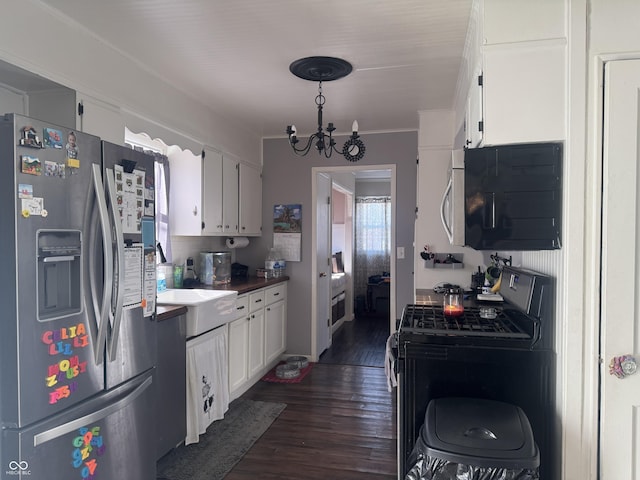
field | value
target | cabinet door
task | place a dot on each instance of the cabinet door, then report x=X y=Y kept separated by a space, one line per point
x=230 y=196
x=211 y=192
x=474 y=122
x=238 y=353
x=524 y=94
x=185 y=204
x=274 y=335
x=250 y=201
x=256 y=342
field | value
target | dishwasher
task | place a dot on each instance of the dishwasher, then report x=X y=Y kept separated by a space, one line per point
x=170 y=384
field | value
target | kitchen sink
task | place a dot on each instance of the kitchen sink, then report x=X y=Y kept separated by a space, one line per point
x=207 y=309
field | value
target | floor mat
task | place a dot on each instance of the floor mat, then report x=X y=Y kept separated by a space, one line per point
x=223 y=445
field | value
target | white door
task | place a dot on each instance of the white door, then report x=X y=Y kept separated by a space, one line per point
x=323 y=257
x=620 y=317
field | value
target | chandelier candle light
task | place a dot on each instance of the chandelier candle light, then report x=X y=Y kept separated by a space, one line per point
x=319 y=69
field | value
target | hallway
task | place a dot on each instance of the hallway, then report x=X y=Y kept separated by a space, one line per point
x=359 y=342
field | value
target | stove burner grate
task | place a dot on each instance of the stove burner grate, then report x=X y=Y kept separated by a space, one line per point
x=430 y=320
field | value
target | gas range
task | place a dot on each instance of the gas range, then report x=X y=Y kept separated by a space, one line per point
x=508 y=358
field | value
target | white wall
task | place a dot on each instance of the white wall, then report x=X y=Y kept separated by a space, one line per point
x=280 y=167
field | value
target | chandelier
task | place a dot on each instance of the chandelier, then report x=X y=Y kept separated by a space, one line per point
x=319 y=69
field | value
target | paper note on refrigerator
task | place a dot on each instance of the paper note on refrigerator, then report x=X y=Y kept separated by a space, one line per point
x=133 y=256
x=130 y=198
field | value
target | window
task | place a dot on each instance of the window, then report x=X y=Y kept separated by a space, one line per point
x=372 y=239
x=142 y=142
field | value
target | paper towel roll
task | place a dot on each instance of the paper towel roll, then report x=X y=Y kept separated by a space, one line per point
x=237 y=242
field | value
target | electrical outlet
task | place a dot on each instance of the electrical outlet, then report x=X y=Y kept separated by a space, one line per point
x=399 y=253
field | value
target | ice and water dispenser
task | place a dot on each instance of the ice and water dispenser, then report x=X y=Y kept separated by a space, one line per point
x=59 y=289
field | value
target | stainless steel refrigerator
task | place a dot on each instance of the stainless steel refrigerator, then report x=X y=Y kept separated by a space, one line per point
x=77 y=300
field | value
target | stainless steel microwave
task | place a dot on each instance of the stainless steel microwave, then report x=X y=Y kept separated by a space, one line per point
x=507 y=197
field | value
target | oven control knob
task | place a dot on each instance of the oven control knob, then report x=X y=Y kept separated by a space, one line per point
x=623 y=366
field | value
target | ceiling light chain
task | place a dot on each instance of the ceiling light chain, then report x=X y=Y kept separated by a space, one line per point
x=319 y=69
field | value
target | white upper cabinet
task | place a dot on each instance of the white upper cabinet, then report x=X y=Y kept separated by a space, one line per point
x=513 y=21
x=230 y=196
x=212 y=188
x=474 y=120
x=212 y=194
x=185 y=192
x=250 y=210
x=518 y=50
x=524 y=94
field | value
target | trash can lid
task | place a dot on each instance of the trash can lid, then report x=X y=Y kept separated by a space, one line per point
x=484 y=433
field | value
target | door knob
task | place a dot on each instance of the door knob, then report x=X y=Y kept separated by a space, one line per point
x=323 y=274
x=623 y=366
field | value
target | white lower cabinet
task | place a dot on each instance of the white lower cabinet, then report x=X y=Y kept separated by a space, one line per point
x=239 y=345
x=275 y=322
x=256 y=332
x=257 y=337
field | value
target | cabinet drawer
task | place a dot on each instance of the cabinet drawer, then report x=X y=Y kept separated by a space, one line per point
x=256 y=300
x=242 y=306
x=273 y=294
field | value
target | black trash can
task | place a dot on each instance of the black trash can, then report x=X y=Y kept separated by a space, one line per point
x=474 y=439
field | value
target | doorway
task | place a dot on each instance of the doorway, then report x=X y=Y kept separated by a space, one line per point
x=344 y=180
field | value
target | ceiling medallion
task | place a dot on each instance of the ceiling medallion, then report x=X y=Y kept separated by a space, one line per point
x=324 y=69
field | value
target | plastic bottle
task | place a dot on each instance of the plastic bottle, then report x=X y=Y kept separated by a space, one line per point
x=273 y=263
x=161 y=281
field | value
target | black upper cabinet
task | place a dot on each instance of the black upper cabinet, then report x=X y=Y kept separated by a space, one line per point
x=513 y=197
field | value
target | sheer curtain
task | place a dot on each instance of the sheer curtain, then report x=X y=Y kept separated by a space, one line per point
x=372 y=240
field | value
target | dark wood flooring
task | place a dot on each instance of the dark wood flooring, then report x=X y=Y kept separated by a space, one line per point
x=340 y=420
x=359 y=342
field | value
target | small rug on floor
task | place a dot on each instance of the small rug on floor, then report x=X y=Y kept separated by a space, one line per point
x=223 y=445
x=272 y=377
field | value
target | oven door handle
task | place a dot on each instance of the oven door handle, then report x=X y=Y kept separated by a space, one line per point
x=537 y=332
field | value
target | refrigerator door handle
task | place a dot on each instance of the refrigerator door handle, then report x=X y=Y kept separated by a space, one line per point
x=92 y=300
x=116 y=313
x=92 y=417
x=101 y=310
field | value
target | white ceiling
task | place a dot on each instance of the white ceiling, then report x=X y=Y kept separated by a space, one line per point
x=234 y=55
